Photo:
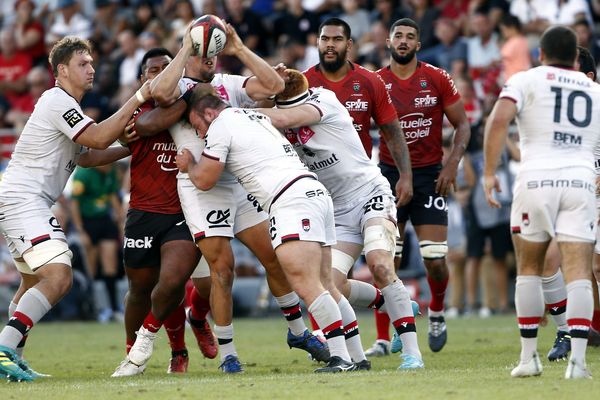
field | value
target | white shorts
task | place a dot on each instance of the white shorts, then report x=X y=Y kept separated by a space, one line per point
x=25 y=225
x=298 y=216
x=553 y=203
x=350 y=219
x=223 y=211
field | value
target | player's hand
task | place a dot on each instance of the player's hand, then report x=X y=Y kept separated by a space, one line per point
x=281 y=70
x=129 y=133
x=186 y=41
x=446 y=179
x=185 y=160
x=145 y=90
x=491 y=183
x=234 y=44
x=404 y=190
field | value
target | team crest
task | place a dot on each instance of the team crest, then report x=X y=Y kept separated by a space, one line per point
x=306 y=224
x=356 y=86
x=525 y=219
x=423 y=84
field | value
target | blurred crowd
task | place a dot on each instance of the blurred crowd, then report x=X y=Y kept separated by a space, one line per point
x=480 y=43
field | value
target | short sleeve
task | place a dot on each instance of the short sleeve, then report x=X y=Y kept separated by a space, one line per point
x=384 y=111
x=514 y=89
x=232 y=89
x=448 y=90
x=65 y=114
x=218 y=141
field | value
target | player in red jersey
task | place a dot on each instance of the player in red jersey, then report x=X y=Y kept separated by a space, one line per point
x=159 y=252
x=422 y=95
x=363 y=94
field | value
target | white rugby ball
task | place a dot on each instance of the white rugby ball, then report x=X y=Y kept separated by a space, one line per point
x=208 y=36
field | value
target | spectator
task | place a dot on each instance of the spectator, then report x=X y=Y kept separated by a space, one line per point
x=38 y=81
x=515 y=50
x=99 y=102
x=375 y=54
x=184 y=12
x=387 y=12
x=296 y=23
x=451 y=53
x=456 y=10
x=425 y=15
x=142 y=16
x=14 y=67
x=537 y=15
x=132 y=56
x=357 y=18
x=495 y=9
x=69 y=21
x=586 y=37
x=95 y=212
x=107 y=23
x=29 y=32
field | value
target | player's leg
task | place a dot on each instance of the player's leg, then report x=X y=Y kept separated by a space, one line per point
x=198 y=299
x=257 y=239
x=108 y=246
x=555 y=297
x=594 y=336
x=175 y=328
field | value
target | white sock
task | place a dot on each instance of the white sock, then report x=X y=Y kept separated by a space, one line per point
x=397 y=300
x=351 y=332
x=327 y=314
x=12 y=307
x=224 y=336
x=580 y=308
x=33 y=306
x=290 y=306
x=364 y=294
x=529 y=301
x=555 y=297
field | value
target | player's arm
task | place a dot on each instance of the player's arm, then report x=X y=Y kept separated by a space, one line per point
x=396 y=143
x=158 y=119
x=462 y=132
x=102 y=135
x=164 y=88
x=283 y=118
x=94 y=158
x=496 y=132
x=266 y=80
x=203 y=174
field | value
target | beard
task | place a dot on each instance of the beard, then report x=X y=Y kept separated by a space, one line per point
x=405 y=59
x=333 y=66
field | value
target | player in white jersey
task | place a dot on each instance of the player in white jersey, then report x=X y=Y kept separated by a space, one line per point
x=299 y=207
x=216 y=216
x=322 y=132
x=49 y=148
x=558 y=116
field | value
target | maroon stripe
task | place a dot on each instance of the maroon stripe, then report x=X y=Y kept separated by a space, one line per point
x=318 y=109
x=529 y=320
x=286 y=187
x=405 y=320
x=210 y=157
x=561 y=303
x=578 y=321
x=200 y=235
x=23 y=318
x=40 y=239
x=515 y=229
x=509 y=98
x=287 y=238
x=329 y=328
x=82 y=129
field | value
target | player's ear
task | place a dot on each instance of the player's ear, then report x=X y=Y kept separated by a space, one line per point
x=418 y=46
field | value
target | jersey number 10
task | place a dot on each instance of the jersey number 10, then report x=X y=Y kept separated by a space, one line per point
x=581 y=123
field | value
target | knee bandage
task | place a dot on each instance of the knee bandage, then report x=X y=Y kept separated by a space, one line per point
x=52 y=251
x=433 y=250
x=23 y=267
x=202 y=270
x=399 y=247
x=341 y=261
x=379 y=237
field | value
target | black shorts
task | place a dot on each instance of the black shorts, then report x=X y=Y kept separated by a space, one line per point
x=100 y=228
x=426 y=206
x=499 y=236
x=146 y=232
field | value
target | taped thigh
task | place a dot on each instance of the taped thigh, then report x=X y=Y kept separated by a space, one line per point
x=51 y=251
x=379 y=237
x=431 y=250
x=341 y=261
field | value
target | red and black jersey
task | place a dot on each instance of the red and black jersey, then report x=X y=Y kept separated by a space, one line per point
x=363 y=94
x=420 y=101
x=154 y=172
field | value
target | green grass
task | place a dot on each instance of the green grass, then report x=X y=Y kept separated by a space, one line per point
x=475 y=364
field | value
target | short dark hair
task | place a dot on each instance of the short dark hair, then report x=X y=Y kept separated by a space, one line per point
x=63 y=51
x=406 y=22
x=586 y=61
x=511 y=21
x=154 y=52
x=337 y=22
x=203 y=96
x=559 y=44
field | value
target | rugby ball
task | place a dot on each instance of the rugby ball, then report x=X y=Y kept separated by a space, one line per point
x=208 y=36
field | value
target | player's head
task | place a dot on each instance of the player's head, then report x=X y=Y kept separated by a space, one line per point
x=585 y=62
x=201 y=68
x=71 y=61
x=558 y=45
x=334 y=42
x=295 y=91
x=404 y=40
x=154 y=62
x=204 y=106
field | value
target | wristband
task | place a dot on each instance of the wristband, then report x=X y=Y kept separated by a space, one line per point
x=139 y=96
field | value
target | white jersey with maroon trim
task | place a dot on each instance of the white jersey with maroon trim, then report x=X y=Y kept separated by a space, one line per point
x=262 y=160
x=46 y=153
x=332 y=149
x=231 y=89
x=558 y=116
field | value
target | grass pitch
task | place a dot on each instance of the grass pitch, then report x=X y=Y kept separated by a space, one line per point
x=475 y=364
